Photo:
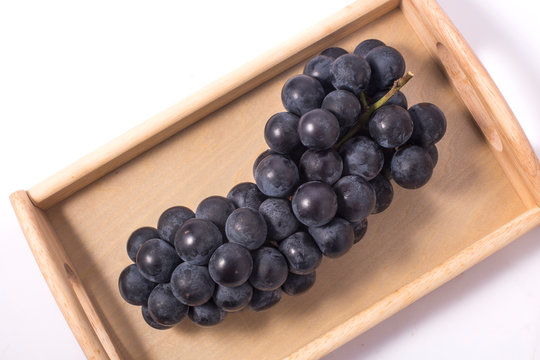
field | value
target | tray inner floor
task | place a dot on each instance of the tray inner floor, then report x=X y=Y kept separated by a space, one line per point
x=467 y=198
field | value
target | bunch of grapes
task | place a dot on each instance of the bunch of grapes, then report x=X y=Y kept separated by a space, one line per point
x=346 y=133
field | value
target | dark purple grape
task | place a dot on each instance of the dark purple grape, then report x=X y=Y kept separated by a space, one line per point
x=360 y=229
x=276 y=176
x=191 y=284
x=164 y=308
x=301 y=94
x=134 y=287
x=216 y=209
x=230 y=265
x=246 y=227
x=301 y=252
x=350 y=72
x=355 y=196
x=318 y=129
x=280 y=132
x=269 y=269
x=344 y=105
x=433 y=153
x=387 y=65
x=334 y=52
x=261 y=156
x=170 y=221
x=298 y=284
x=279 y=218
x=146 y=316
x=384 y=193
x=335 y=238
x=366 y=46
x=156 y=260
x=233 y=299
x=321 y=165
x=314 y=203
x=429 y=124
x=197 y=240
x=139 y=237
x=207 y=314
x=361 y=156
x=390 y=126
x=263 y=300
x=246 y=194
x=319 y=68
x=412 y=167
x=398 y=98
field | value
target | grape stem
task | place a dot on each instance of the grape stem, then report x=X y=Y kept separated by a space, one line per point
x=364 y=117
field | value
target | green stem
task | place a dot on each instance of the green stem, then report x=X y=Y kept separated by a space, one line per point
x=364 y=117
x=363 y=100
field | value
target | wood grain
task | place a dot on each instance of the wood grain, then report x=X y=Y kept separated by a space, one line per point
x=204 y=102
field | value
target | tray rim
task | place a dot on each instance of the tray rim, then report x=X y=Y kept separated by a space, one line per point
x=52 y=259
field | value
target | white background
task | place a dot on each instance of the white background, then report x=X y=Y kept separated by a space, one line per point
x=74 y=75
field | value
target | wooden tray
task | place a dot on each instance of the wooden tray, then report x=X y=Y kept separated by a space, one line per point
x=485 y=192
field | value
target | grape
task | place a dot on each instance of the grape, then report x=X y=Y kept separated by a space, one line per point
x=318 y=129
x=344 y=105
x=362 y=157
x=398 y=98
x=191 y=284
x=207 y=314
x=390 y=126
x=298 y=284
x=164 y=307
x=216 y=209
x=360 y=229
x=197 y=240
x=281 y=133
x=139 y=237
x=334 y=52
x=384 y=193
x=276 y=176
x=146 y=316
x=246 y=194
x=321 y=165
x=279 y=218
x=233 y=299
x=356 y=198
x=433 y=153
x=171 y=220
x=269 y=269
x=261 y=156
x=230 y=265
x=314 y=203
x=134 y=287
x=335 y=238
x=387 y=65
x=350 y=72
x=319 y=68
x=429 y=124
x=156 y=260
x=302 y=93
x=246 y=227
x=263 y=300
x=301 y=252
x=412 y=167
x=366 y=46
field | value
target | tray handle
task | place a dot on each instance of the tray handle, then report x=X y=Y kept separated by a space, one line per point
x=480 y=95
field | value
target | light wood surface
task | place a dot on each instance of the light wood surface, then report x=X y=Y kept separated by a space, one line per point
x=470 y=208
x=203 y=102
